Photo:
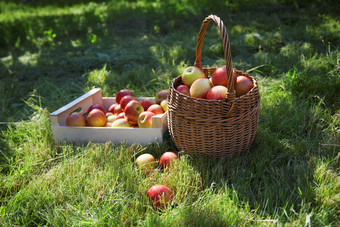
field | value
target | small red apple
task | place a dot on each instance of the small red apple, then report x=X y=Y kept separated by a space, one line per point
x=76 y=119
x=161 y=95
x=96 y=118
x=146 y=103
x=122 y=122
x=120 y=94
x=217 y=93
x=219 y=76
x=96 y=106
x=184 y=89
x=156 y=109
x=145 y=119
x=146 y=162
x=132 y=111
x=159 y=195
x=125 y=100
x=167 y=158
x=243 y=86
x=112 y=108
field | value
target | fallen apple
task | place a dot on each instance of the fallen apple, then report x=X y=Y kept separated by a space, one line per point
x=191 y=74
x=243 y=86
x=76 y=119
x=132 y=111
x=184 y=89
x=125 y=100
x=146 y=162
x=160 y=196
x=122 y=122
x=164 y=105
x=96 y=118
x=161 y=95
x=200 y=88
x=146 y=103
x=217 y=93
x=167 y=158
x=121 y=93
x=96 y=106
x=156 y=109
x=219 y=76
x=145 y=119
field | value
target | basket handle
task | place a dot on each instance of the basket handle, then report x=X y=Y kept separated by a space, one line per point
x=226 y=47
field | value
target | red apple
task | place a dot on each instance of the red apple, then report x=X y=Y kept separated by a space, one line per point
x=161 y=95
x=120 y=94
x=96 y=106
x=145 y=119
x=120 y=116
x=219 y=76
x=76 y=119
x=146 y=103
x=96 y=118
x=132 y=111
x=112 y=108
x=200 y=88
x=146 y=162
x=167 y=158
x=184 y=89
x=118 y=109
x=156 y=109
x=125 y=100
x=243 y=85
x=122 y=122
x=217 y=93
x=159 y=195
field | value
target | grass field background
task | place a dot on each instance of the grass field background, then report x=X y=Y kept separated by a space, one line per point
x=53 y=52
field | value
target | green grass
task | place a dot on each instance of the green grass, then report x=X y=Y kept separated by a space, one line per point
x=51 y=53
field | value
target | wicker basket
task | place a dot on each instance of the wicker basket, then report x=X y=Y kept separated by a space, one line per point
x=213 y=127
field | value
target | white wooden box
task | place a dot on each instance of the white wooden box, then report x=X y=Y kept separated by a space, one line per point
x=139 y=136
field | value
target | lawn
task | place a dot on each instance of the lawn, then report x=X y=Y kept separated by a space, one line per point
x=51 y=53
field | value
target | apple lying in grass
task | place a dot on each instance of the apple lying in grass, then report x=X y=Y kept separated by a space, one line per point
x=132 y=111
x=167 y=158
x=76 y=119
x=161 y=95
x=96 y=106
x=146 y=103
x=191 y=74
x=164 y=105
x=96 y=118
x=121 y=93
x=200 y=88
x=217 y=93
x=243 y=85
x=184 y=89
x=156 y=109
x=125 y=100
x=219 y=76
x=146 y=162
x=145 y=119
x=160 y=196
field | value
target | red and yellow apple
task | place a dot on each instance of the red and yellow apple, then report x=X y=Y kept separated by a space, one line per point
x=190 y=74
x=146 y=103
x=121 y=93
x=243 y=86
x=122 y=122
x=219 y=76
x=167 y=158
x=96 y=106
x=120 y=116
x=160 y=196
x=184 y=89
x=118 y=109
x=145 y=119
x=146 y=162
x=161 y=95
x=125 y=100
x=217 y=93
x=76 y=119
x=96 y=118
x=156 y=109
x=132 y=111
x=200 y=88
x=112 y=108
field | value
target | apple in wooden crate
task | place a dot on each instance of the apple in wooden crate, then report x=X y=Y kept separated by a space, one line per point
x=200 y=88
x=243 y=85
x=96 y=118
x=156 y=109
x=125 y=100
x=118 y=109
x=146 y=103
x=161 y=95
x=217 y=93
x=112 y=108
x=160 y=196
x=190 y=74
x=164 y=105
x=132 y=111
x=145 y=119
x=76 y=119
x=167 y=158
x=121 y=93
x=122 y=122
x=96 y=106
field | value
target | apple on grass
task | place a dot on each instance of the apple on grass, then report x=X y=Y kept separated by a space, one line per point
x=125 y=100
x=122 y=122
x=132 y=111
x=96 y=118
x=217 y=93
x=164 y=105
x=76 y=119
x=146 y=162
x=161 y=95
x=145 y=119
x=191 y=74
x=156 y=109
x=184 y=89
x=200 y=88
x=96 y=106
x=167 y=158
x=121 y=93
x=219 y=76
x=160 y=196
x=146 y=103
x=243 y=85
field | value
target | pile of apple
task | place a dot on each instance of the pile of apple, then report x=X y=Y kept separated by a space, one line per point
x=159 y=195
x=196 y=85
x=126 y=112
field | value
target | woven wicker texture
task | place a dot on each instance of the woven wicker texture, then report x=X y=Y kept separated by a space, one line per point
x=213 y=127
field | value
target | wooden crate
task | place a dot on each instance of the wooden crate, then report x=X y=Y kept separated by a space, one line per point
x=140 y=136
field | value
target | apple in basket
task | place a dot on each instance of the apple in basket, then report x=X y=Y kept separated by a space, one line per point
x=161 y=95
x=121 y=93
x=96 y=118
x=156 y=109
x=191 y=74
x=132 y=111
x=243 y=85
x=160 y=196
x=219 y=76
x=184 y=89
x=145 y=119
x=76 y=119
x=217 y=93
x=146 y=162
x=200 y=88
x=146 y=103
x=167 y=158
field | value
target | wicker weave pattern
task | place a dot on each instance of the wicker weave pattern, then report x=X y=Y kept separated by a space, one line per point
x=213 y=127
